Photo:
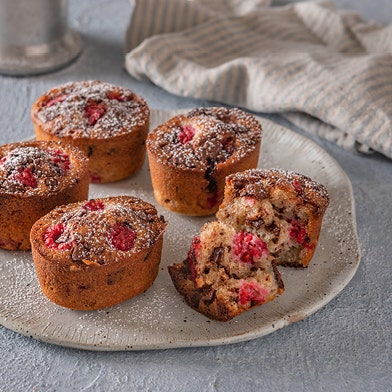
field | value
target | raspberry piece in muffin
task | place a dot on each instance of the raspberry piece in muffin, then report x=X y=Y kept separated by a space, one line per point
x=52 y=237
x=94 y=254
x=187 y=133
x=247 y=247
x=60 y=158
x=285 y=209
x=35 y=177
x=26 y=177
x=122 y=237
x=226 y=272
x=190 y=156
x=107 y=122
x=53 y=101
x=94 y=111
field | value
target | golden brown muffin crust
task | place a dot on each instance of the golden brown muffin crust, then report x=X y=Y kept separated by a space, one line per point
x=107 y=122
x=85 y=230
x=97 y=253
x=190 y=156
x=35 y=177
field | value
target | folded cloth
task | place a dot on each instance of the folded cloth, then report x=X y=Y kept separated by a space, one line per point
x=327 y=71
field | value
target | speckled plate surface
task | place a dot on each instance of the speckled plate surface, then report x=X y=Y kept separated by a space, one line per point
x=159 y=318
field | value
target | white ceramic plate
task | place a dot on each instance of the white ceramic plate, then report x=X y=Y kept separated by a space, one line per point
x=159 y=318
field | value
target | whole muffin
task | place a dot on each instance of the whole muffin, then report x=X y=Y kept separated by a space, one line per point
x=190 y=156
x=285 y=209
x=35 y=177
x=97 y=253
x=109 y=123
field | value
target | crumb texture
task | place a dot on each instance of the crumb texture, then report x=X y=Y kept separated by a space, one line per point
x=283 y=208
x=267 y=218
x=226 y=272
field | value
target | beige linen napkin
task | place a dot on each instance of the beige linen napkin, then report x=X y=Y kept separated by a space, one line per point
x=327 y=71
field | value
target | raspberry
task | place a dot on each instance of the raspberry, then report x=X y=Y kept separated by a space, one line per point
x=94 y=205
x=26 y=177
x=53 y=101
x=252 y=293
x=94 y=111
x=122 y=236
x=248 y=247
x=60 y=159
x=187 y=132
x=299 y=234
x=2 y=160
x=192 y=256
x=250 y=201
x=213 y=200
x=95 y=178
x=52 y=240
x=297 y=186
x=118 y=96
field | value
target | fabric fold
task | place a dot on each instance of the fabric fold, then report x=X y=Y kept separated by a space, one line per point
x=327 y=71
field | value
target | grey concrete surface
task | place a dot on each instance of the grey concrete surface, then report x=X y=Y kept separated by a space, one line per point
x=345 y=346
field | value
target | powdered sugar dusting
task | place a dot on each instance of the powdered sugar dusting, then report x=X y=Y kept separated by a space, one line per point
x=258 y=182
x=97 y=245
x=65 y=111
x=33 y=168
x=205 y=137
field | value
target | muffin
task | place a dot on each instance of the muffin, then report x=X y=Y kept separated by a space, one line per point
x=108 y=123
x=97 y=253
x=35 y=177
x=191 y=154
x=226 y=272
x=285 y=209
